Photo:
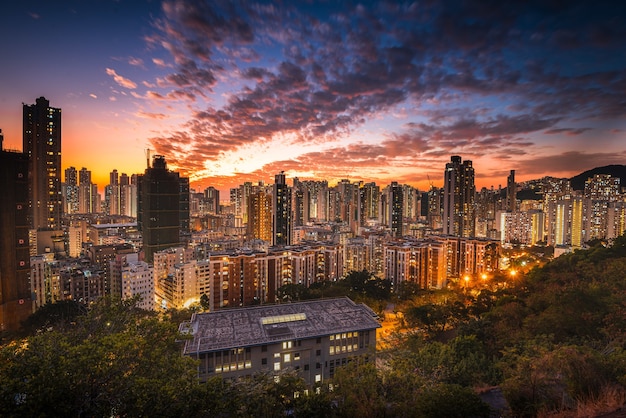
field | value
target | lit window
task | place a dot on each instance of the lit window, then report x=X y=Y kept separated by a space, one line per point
x=332 y=349
x=276 y=355
x=277 y=366
x=287 y=358
x=318 y=378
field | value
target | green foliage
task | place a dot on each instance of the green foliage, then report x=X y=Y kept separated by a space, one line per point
x=450 y=401
x=58 y=315
x=292 y=292
x=359 y=391
x=116 y=360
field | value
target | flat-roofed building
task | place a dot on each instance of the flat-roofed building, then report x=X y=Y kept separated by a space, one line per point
x=312 y=337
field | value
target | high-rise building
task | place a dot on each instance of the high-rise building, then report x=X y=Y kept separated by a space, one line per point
x=112 y=193
x=15 y=292
x=159 y=207
x=42 y=145
x=458 y=198
x=396 y=207
x=370 y=198
x=71 y=190
x=260 y=217
x=435 y=205
x=212 y=196
x=511 y=192
x=85 y=198
x=281 y=211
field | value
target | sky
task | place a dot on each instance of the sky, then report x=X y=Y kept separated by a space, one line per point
x=235 y=91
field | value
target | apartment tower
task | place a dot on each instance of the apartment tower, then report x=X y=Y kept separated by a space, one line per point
x=458 y=198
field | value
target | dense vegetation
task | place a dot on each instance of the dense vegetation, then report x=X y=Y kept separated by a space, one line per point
x=551 y=341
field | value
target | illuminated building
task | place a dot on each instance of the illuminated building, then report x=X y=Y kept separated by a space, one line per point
x=523 y=227
x=260 y=217
x=616 y=219
x=419 y=262
x=566 y=222
x=45 y=278
x=458 y=198
x=42 y=145
x=86 y=192
x=370 y=198
x=313 y=338
x=602 y=187
x=70 y=191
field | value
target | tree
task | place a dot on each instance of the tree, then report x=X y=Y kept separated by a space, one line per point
x=359 y=390
x=451 y=401
x=117 y=360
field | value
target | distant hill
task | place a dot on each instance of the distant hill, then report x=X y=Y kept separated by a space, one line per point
x=615 y=170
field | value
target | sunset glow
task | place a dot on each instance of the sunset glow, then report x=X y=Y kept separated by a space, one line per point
x=233 y=91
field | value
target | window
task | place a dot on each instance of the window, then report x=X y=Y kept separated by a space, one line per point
x=318 y=340
x=276 y=355
x=277 y=366
x=264 y=361
x=287 y=358
x=296 y=356
x=318 y=352
x=263 y=348
x=306 y=367
x=287 y=345
x=318 y=378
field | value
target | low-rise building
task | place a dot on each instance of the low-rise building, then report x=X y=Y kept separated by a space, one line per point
x=312 y=337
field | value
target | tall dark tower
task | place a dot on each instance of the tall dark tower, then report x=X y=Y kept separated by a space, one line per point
x=158 y=207
x=396 y=198
x=511 y=192
x=458 y=198
x=281 y=211
x=15 y=293
x=42 y=145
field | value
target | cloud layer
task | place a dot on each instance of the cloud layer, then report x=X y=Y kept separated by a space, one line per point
x=388 y=90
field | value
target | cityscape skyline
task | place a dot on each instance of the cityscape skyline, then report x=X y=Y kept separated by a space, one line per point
x=231 y=92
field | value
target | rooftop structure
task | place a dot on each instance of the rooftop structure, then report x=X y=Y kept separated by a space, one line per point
x=267 y=324
x=312 y=338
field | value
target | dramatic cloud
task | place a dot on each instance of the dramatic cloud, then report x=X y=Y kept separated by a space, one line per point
x=469 y=77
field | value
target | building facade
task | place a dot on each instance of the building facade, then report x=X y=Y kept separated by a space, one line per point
x=314 y=338
x=458 y=198
x=42 y=145
x=159 y=208
x=15 y=293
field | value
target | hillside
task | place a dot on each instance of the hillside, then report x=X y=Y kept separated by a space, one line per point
x=615 y=170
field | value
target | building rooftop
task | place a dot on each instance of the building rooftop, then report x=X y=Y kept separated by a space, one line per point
x=267 y=324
